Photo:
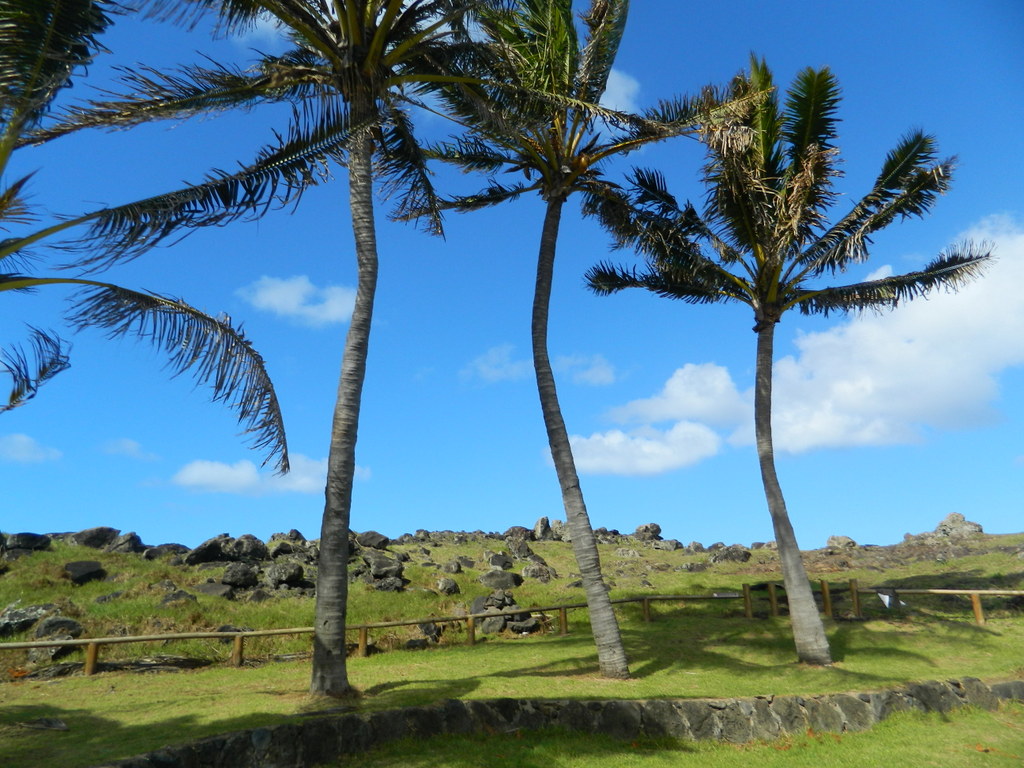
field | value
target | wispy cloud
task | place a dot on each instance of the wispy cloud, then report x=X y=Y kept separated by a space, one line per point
x=497 y=364
x=298 y=299
x=244 y=478
x=622 y=92
x=874 y=379
x=592 y=370
x=23 y=449
x=127 y=447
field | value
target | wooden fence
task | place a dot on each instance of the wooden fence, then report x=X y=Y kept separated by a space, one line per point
x=92 y=645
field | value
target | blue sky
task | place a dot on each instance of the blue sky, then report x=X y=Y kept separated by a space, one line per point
x=884 y=423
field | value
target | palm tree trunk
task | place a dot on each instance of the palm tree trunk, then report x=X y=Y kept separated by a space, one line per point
x=808 y=630
x=330 y=675
x=611 y=655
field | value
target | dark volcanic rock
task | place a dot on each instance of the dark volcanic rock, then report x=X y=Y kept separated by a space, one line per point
x=246 y=548
x=96 y=538
x=33 y=542
x=83 y=571
x=240 y=575
x=210 y=551
x=58 y=625
x=126 y=542
x=448 y=586
x=373 y=540
x=730 y=554
x=14 y=619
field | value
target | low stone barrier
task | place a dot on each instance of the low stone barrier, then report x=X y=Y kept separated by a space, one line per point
x=316 y=740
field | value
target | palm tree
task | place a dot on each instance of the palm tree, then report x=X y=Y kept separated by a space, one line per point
x=763 y=239
x=352 y=66
x=545 y=122
x=42 y=42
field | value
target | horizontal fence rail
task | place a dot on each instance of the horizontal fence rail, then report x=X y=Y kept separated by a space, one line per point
x=92 y=645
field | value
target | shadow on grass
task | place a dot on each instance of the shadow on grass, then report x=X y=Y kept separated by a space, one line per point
x=28 y=738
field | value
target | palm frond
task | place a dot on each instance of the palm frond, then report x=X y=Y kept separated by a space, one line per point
x=707 y=284
x=809 y=115
x=605 y=21
x=952 y=269
x=402 y=170
x=149 y=94
x=210 y=349
x=41 y=43
x=277 y=178
x=29 y=371
x=908 y=185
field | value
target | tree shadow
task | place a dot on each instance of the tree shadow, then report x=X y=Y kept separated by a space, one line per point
x=29 y=738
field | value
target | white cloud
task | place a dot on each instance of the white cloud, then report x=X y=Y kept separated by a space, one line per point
x=593 y=370
x=621 y=92
x=496 y=364
x=644 y=451
x=244 y=477
x=702 y=392
x=25 y=450
x=873 y=379
x=266 y=34
x=127 y=447
x=297 y=298
x=932 y=363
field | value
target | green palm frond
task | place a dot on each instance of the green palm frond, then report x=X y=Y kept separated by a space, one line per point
x=277 y=178
x=950 y=270
x=908 y=185
x=29 y=371
x=210 y=349
x=148 y=94
x=402 y=170
x=809 y=116
x=696 y=282
x=605 y=21
x=767 y=201
x=492 y=194
x=41 y=44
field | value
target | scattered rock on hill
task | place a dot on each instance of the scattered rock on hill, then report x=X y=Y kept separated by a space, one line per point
x=731 y=554
x=14 y=619
x=840 y=542
x=95 y=538
x=82 y=571
x=648 y=532
x=499 y=579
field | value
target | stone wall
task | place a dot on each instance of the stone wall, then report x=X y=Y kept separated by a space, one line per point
x=315 y=740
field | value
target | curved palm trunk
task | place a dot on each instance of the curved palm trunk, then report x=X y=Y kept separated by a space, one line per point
x=808 y=630
x=610 y=652
x=330 y=674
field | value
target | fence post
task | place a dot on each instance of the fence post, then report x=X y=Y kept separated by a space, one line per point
x=364 y=642
x=826 y=599
x=855 y=597
x=647 y=609
x=748 y=603
x=563 y=621
x=470 y=630
x=92 y=652
x=773 y=599
x=979 y=614
x=238 y=651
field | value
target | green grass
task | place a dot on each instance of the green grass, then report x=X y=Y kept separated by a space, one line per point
x=965 y=739
x=691 y=649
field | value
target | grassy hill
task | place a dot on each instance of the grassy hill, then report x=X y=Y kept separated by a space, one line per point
x=692 y=648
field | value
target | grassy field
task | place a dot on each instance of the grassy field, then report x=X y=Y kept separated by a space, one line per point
x=691 y=649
